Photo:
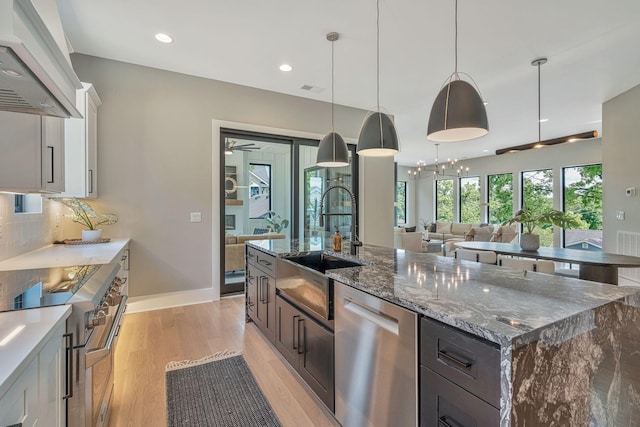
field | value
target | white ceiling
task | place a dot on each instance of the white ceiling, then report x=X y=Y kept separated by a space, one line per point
x=593 y=48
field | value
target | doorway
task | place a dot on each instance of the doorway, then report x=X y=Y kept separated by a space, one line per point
x=266 y=193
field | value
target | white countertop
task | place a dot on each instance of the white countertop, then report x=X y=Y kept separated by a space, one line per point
x=65 y=255
x=17 y=353
x=40 y=323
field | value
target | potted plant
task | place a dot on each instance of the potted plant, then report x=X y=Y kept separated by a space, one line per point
x=529 y=241
x=85 y=215
x=275 y=223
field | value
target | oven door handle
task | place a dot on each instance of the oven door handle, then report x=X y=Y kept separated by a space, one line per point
x=94 y=356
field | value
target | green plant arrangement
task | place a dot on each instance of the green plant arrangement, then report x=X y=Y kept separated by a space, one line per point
x=530 y=220
x=275 y=222
x=85 y=215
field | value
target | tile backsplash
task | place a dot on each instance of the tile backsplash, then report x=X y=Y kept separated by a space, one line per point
x=21 y=233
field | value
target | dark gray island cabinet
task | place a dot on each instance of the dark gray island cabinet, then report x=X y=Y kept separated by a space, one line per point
x=503 y=347
x=459 y=378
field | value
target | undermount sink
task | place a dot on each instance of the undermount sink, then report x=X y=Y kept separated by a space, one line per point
x=323 y=262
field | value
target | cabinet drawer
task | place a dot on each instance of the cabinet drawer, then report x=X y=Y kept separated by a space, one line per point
x=263 y=261
x=443 y=403
x=471 y=363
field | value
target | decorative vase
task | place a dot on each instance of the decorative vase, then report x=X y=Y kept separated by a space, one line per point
x=529 y=242
x=91 y=235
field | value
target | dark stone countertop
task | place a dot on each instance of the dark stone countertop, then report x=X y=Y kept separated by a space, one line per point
x=505 y=306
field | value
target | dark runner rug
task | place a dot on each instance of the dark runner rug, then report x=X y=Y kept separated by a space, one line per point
x=218 y=390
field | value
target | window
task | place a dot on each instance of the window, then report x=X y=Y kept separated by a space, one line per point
x=401 y=202
x=259 y=190
x=582 y=195
x=470 y=199
x=27 y=203
x=444 y=200
x=537 y=195
x=500 y=190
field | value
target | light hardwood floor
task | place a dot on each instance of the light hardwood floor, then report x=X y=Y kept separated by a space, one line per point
x=149 y=340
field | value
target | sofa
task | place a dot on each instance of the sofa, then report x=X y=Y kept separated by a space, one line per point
x=450 y=230
x=458 y=231
x=234 y=252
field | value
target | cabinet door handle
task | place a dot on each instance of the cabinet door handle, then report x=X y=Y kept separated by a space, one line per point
x=446 y=422
x=301 y=342
x=266 y=293
x=128 y=255
x=455 y=359
x=68 y=351
x=52 y=174
x=294 y=345
x=90 y=181
x=263 y=298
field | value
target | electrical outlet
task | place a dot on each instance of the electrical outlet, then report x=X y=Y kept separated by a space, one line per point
x=57 y=221
x=620 y=215
x=196 y=217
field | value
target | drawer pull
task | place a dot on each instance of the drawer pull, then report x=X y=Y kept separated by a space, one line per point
x=458 y=361
x=264 y=262
x=446 y=422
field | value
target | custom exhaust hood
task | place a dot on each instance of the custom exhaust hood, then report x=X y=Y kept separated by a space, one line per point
x=35 y=75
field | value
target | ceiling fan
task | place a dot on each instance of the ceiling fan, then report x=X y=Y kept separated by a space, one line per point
x=230 y=146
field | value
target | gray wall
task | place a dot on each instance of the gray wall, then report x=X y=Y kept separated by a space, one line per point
x=155 y=161
x=620 y=154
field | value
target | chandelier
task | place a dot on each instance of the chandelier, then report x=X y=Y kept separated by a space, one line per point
x=451 y=168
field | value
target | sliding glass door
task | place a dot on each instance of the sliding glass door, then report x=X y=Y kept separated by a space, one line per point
x=272 y=189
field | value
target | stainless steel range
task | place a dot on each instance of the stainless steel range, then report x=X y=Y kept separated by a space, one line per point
x=95 y=293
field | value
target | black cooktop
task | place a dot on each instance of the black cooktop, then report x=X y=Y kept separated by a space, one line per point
x=42 y=287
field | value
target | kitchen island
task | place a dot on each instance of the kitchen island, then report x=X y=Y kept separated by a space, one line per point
x=569 y=349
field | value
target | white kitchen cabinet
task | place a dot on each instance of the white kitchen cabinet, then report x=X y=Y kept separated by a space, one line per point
x=51 y=365
x=35 y=398
x=81 y=146
x=20 y=403
x=32 y=148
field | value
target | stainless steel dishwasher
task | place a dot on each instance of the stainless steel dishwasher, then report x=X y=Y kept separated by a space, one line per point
x=376 y=361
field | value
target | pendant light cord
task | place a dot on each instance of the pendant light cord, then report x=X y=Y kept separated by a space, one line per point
x=333 y=128
x=539 y=116
x=456 y=41
x=378 y=54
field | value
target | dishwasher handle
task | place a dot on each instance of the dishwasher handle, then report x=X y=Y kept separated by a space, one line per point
x=371 y=314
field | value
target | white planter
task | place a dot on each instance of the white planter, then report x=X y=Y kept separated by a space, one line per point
x=529 y=242
x=90 y=235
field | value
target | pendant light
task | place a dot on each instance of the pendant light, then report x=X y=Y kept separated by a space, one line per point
x=540 y=143
x=332 y=151
x=378 y=136
x=458 y=113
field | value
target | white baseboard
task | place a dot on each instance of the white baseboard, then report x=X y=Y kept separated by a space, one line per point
x=171 y=299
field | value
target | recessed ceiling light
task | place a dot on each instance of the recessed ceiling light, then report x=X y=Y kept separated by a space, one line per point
x=12 y=73
x=164 y=38
x=286 y=67
x=485 y=103
x=485 y=151
x=544 y=120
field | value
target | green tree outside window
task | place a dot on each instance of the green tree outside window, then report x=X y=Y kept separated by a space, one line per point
x=444 y=200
